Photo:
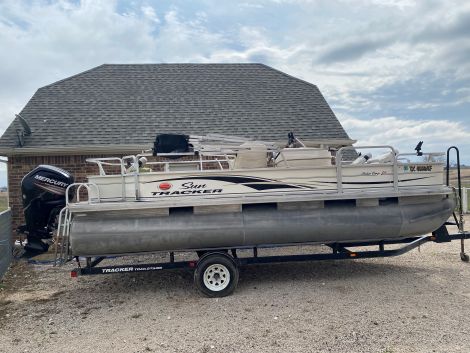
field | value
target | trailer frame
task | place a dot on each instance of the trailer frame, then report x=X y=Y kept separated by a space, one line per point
x=339 y=251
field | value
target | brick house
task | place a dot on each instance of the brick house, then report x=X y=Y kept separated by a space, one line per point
x=112 y=110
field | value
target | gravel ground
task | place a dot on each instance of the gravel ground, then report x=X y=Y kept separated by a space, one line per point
x=418 y=302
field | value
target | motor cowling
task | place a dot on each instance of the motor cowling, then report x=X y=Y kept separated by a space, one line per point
x=43 y=193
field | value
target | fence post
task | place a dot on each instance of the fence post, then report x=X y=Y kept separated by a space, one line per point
x=5 y=241
x=464 y=200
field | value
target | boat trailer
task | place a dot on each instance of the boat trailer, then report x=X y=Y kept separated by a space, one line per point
x=229 y=262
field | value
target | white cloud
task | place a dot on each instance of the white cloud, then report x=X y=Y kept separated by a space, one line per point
x=379 y=56
x=401 y=4
x=42 y=42
x=150 y=13
x=403 y=134
x=185 y=41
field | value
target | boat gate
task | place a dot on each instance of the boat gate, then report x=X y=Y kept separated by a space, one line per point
x=5 y=241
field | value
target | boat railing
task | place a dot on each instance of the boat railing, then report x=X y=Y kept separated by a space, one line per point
x=108 y=161
x=340 y=166
x=397 y=159
x=73 y=192
x=203 y=164
x=431 y=157
x=128 y=166
x=62 y=239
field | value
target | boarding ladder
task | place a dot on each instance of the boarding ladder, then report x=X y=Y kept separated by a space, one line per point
x=62 y=236
x=459 y=221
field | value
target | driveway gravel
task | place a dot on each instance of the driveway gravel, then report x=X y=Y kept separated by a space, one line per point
x=417 y=302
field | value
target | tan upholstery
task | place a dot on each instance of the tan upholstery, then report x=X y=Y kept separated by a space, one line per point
x=254 y=157
x=303 y=157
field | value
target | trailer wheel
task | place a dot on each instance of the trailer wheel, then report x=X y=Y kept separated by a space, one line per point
x=216 y=275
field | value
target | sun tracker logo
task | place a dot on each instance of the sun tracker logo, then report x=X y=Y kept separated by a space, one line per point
x=187 y=188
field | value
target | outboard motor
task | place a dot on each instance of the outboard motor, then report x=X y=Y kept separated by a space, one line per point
x=43 y=191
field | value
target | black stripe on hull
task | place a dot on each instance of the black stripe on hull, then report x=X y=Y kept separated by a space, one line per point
x=272 y=186
x=231 y=179
x=251 y=182
x=254 y=182
x=370 y=182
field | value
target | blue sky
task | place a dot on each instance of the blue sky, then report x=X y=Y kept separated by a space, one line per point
x=394 y=71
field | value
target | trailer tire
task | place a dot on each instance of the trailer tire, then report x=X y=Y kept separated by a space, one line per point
x=216 y=275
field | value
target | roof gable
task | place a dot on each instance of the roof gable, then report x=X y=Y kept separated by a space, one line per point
x=130 y=104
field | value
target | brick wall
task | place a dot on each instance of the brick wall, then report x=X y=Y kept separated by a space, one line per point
x=19 y=166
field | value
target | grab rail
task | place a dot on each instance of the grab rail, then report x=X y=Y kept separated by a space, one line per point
x=63 y=228
x=134 y=160
x=134 y=169
x=104 y=161
x=459 y=182
x=401 y=157
x=77 y=191
x=65 y=215
x=430 y=154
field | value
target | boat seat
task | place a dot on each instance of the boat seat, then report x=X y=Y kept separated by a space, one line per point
x=254 y=157
x=303 y=157
x=385 y=158
x=180 y=167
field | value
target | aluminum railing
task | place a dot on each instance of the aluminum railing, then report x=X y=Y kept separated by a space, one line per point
x=78 y=187
x=339 y=164
x=134 y=170
x=397 y=157
x=133 y=161
x=61 y=253
x=220 y=160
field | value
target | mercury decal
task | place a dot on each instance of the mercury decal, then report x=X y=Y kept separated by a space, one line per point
x=51 y=181
x=54 y=186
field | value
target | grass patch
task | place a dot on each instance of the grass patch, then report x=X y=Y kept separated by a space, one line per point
x=3 y=201
x=465 y=184
x=468 y=200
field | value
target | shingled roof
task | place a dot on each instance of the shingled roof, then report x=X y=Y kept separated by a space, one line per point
x=127 y=105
